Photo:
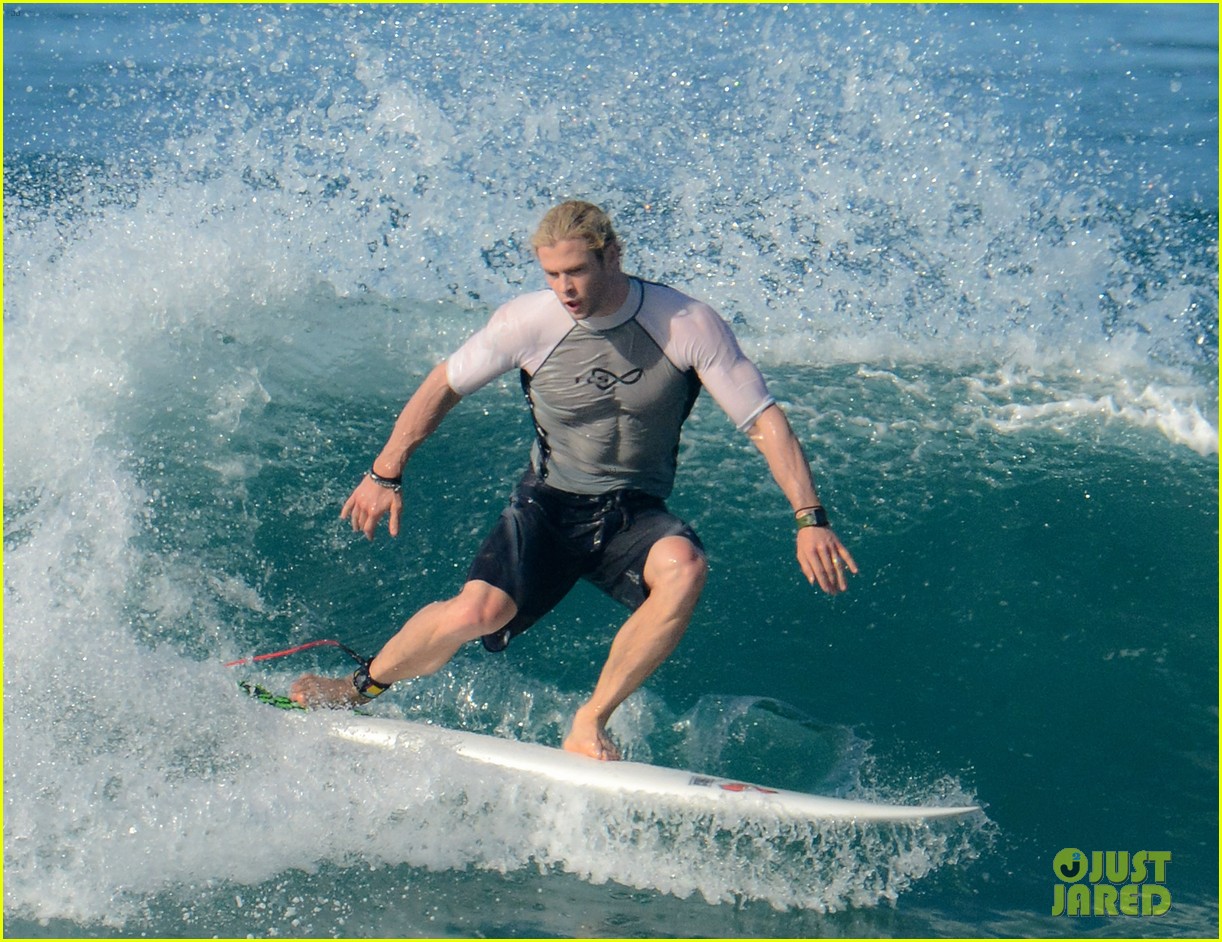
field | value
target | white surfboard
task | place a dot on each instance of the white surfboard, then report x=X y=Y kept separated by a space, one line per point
x=690 y=788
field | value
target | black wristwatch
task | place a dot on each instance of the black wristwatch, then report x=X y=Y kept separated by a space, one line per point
x=812 y=517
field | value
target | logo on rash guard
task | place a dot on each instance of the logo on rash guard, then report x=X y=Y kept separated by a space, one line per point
x=605 y=379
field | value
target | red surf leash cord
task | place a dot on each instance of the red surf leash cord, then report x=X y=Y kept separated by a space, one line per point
x=301 y=647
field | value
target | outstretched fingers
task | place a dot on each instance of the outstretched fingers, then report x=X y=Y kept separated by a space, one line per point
x=824 y=559
x=368 y=504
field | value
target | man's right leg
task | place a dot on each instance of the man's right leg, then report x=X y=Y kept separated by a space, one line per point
x=424 y=644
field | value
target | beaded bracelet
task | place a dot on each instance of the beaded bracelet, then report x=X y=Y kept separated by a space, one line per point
x=393 y=484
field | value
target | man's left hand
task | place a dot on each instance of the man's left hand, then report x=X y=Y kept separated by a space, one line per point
x=824 y=560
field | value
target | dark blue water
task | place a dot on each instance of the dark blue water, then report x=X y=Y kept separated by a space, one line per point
x=974 y=249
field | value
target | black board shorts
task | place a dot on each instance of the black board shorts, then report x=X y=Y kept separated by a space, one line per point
x=547 y=539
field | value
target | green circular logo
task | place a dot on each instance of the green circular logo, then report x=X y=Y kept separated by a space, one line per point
x=1070 y=865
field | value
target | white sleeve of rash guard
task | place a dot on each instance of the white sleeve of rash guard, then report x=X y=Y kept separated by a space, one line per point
x=519 y=335
x=700 y=338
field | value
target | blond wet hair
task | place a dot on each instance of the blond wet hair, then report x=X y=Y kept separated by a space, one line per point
x=576 y=219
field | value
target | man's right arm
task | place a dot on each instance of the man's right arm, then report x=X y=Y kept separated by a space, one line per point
x=418 y=420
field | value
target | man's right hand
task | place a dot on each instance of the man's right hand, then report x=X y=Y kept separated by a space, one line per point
x=369 y=503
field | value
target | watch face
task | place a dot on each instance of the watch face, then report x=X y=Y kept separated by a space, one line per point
x=816 y=517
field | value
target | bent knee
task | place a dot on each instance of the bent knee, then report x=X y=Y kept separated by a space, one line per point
x=479 y=609
x=676 y=564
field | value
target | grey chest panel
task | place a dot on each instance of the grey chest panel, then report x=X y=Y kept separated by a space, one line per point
x=608 y=407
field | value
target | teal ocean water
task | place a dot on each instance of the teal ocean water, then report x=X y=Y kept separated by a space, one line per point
x=973 y=248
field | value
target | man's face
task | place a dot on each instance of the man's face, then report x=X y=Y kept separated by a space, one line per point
x=585 y=286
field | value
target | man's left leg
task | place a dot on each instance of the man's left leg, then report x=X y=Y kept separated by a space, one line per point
x=674 y=574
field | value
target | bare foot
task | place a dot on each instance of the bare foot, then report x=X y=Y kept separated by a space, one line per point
x=332 y=693
x=587 y=737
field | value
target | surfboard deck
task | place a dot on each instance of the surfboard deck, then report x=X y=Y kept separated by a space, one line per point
x=707 y=792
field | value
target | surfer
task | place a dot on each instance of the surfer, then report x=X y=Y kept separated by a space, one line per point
x=611 y=365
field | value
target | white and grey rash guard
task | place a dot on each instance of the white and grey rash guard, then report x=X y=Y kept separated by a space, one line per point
x=610 y=394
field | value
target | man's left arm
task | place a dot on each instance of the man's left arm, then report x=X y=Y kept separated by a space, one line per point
x=821 y=555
